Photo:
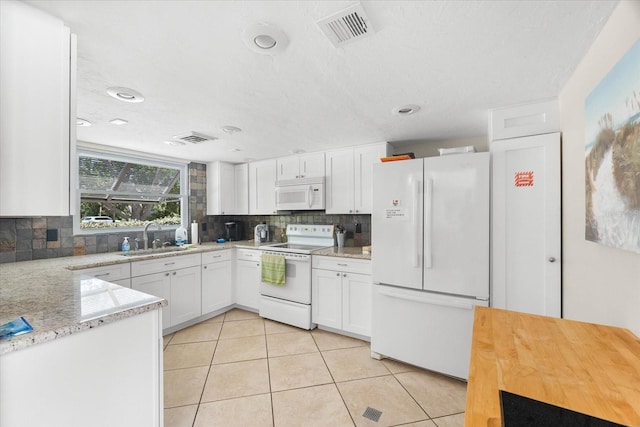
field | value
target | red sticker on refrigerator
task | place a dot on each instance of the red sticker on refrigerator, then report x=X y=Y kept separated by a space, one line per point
x=523 y=179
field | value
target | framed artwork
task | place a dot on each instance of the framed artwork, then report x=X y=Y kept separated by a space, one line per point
x=612 y=156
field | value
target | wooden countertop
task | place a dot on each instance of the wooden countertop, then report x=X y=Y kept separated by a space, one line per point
x=588 y=368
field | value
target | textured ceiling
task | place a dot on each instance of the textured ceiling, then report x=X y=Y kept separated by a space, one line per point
x=455 y=59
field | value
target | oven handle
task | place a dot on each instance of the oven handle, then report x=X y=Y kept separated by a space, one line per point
x=289 y=256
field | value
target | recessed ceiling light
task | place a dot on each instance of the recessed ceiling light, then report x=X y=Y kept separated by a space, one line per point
x=231 y=129
x=82 y=122
x=125 y=94
x=265 y=39
x=406 y=110
x=175 y=143
x=118 y=121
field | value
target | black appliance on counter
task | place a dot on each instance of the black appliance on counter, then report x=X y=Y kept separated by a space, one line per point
x=232 y=232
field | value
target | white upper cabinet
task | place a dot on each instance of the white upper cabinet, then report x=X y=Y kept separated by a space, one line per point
x=241 y=189
x=262 y=187
x=349 y=178
x=227 y=188
x=37 y=115
x=302 y=166
x=339 y=181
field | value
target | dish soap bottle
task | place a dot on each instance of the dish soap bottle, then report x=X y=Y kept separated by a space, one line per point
x=125 y=246
x=181 y=236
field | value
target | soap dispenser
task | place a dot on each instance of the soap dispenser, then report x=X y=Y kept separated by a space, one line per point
x=125 y=246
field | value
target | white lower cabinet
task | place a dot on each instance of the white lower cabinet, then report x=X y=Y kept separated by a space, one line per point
x=216 y=281
x=342 y=294
x=248 y=278
x=159 y=285
x=176 y=279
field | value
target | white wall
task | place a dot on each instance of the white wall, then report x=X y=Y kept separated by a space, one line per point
x=600 y=284
x=430 y=148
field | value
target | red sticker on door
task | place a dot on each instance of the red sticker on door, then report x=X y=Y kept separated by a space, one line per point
x=523 y=179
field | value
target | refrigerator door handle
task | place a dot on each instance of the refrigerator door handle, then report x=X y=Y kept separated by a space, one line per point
x=415 y=190
x=428 y=213
x=425 y=300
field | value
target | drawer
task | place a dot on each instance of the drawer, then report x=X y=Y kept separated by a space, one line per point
x=108 y=273
x=216 y=256
x=248 y=254
x=175 y=262
x=347 y=265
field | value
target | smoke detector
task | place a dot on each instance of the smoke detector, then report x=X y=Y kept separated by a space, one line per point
x=194 y=137
x=347 y=26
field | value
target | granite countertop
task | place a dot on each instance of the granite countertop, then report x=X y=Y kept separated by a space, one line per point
x=57 y=302
x=344 y=252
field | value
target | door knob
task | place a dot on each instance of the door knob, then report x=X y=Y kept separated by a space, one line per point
x=552 y=259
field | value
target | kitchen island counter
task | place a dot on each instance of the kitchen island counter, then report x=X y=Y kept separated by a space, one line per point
x=587 y=368
x=58 y=303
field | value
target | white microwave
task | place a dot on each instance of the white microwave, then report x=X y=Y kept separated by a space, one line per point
x=300 y=194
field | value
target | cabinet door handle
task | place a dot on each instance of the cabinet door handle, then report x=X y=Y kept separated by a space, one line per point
x=102 y=275
x=344 y=274
x=217 y=256
x=169 y=263
x=338 y=274
x=204 y=266
x=174 y=273
x=166 y=274
x=342 y=265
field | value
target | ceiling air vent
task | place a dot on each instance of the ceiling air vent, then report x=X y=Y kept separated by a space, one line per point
x=194 y=137
x=346 y=26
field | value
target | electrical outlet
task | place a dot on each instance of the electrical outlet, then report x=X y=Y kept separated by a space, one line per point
x=52 y=234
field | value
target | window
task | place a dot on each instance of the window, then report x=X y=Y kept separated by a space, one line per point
x=118 y=191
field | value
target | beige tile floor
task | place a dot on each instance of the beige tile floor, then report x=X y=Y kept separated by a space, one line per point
x=238 y=369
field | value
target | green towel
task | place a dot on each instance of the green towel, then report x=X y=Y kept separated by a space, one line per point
x=273 y=269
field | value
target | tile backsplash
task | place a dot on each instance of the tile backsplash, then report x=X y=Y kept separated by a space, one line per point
x=355 y=235
x=23 y=239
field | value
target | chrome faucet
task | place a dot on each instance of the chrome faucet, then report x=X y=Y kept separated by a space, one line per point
x=145 y=236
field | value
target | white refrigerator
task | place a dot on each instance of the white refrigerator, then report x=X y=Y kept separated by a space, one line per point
x=430 y=259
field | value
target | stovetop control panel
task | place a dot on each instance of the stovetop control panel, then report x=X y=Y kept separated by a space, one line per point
x=309 y=230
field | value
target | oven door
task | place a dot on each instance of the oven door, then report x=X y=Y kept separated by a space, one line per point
x=297 y=286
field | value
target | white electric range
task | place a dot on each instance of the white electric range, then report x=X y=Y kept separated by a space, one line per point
x=291 y=303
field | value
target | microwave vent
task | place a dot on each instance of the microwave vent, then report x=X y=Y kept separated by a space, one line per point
x=347 y=26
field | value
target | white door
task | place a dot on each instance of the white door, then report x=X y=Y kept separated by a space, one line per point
x=247 y=282
x=339 y=181
x=327 y=298
x=456 y=224
x=288 y=167
x=312 y=165
x=262 y=187
x=396 y=223
x=526 y=274
x=357 y=296
x=185 y=295
x=363 y=160
x=241 y=182
x=216 y=286
x=159 y=285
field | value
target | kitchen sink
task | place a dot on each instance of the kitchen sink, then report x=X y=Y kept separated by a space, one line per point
x=143 y=252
